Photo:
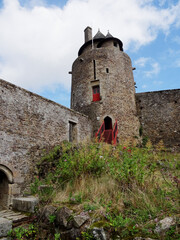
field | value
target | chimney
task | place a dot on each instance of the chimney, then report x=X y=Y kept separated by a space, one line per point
x=88 y=34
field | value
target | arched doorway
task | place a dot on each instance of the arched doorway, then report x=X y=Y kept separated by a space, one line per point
x=108 y=123
x=6 y=177
x=108 y=130
x=4 y=190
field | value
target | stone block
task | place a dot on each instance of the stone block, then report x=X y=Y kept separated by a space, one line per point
x=25 y=204
x=80 y=219
x=5 y=227
x=15 y=189
x=63 y=216
x=99 y=234
x=164 y=224
x=47 y=211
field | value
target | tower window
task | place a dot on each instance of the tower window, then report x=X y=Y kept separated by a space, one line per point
x=94 y=65
x=107 y=70
x=115 y=44
x=96 y=93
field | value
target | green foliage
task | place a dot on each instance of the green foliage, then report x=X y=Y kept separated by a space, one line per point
x=35 y=185
x=146 y=180
x=87 y=235
x=75 y=199
x=21 y=233
x=118 y=221
x=172 y=233
x=89 y=207
x=93 y=160
x=144 y=141
x=57 y=236
x=124 y=226
x=52 y=218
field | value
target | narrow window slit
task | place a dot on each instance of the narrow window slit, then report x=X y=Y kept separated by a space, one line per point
x=94 y=64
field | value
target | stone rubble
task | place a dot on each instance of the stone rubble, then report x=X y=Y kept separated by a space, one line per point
x=5 y=226
x=164 y=224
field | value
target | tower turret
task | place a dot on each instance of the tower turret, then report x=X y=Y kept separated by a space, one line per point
x=103 y=85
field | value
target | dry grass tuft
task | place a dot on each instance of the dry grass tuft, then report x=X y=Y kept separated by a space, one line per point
x=94 y=191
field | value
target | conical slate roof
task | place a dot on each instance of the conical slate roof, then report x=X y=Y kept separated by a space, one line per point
x=109 y=35
x=98 y=35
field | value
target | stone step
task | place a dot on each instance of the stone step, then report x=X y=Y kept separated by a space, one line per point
x=13 y=216
x=25 y=204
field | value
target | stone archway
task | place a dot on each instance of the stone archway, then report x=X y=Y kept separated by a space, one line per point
x=6 y=178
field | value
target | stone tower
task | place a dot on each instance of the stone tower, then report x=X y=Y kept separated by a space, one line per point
x=103 y=85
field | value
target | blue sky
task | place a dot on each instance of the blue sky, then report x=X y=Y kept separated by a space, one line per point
x=40 y=40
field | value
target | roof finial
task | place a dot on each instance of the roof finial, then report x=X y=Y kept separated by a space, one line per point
x=108 y=35
x=99 y=35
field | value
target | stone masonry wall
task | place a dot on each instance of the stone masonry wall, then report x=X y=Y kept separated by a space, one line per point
x=115 y=79
x=28 y=124
x=159 y=115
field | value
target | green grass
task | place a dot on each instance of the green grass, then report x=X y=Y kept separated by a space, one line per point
x=126 y=188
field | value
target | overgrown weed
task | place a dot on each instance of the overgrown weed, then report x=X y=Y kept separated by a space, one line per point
x=122 y=184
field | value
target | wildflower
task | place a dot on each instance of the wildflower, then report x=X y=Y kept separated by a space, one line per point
x=124 y=148
x=129 y=150
x=65 y=160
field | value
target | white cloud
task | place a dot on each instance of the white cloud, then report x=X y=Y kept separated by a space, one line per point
x=141 y=62
x=177 y=39
x=39 y=43
x=144 y=86
x=147 y=67
x=155 y=69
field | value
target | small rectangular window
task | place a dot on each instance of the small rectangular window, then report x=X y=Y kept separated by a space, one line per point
x=72 y=132
x=107 y=70
x=96 y=93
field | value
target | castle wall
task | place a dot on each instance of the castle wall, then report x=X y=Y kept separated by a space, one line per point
x=30 y=123
x=159 y=115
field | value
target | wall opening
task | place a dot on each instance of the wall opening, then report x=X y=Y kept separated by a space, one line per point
x=108 y=123
x=107 y=70
x=96 y=93
x=115 y=44
x=4 y=190
x=72 y=131
x=94 y=66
